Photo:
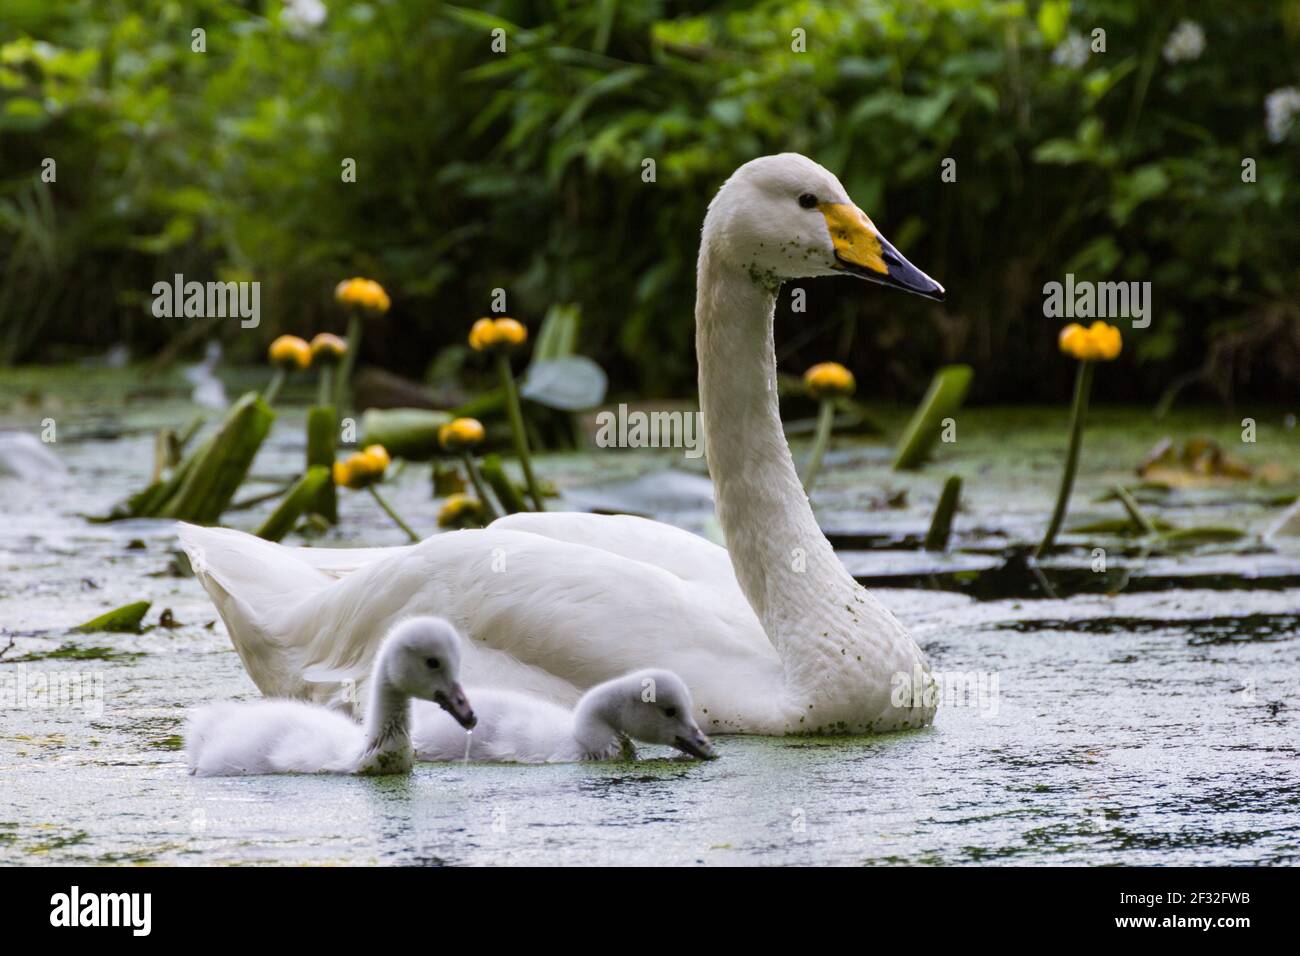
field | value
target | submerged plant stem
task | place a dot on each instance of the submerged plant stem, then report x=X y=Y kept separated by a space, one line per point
x=326 y=386
x=1135 y=513
x=517 y=429
x=415 y=538
x=342 y=384
x=936 y=539
x=480 y=486
x=273 y=388
x=1078 y=412
x=821 y=441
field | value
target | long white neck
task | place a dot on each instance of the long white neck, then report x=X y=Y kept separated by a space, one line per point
x=809 y=605
x=595 y=727
x=387 y=726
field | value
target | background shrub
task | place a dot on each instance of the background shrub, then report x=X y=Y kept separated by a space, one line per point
x=478 y=170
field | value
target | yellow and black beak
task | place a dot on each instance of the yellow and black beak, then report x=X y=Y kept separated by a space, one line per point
x=862 y=251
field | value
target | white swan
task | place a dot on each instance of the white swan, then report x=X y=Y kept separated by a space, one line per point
x=772 y=635
x=420 y=658
x=650 y=706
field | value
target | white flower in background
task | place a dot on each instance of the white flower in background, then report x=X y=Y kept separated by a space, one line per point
x=1073 y=51
x=301 y=16
x=1281 y=108
x=1186 y=42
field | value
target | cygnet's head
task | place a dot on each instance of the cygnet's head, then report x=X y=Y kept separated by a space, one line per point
x=421 y=658
x=654 y=707
x=786 y=217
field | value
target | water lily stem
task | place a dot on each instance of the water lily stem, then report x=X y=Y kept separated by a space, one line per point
x=342 y=384
x=480 y=487
x=1078 y=412
x=326 y=385
x=415 y=538
x=273 y=389
x=1135 y=512
x=821 y=441
x=517 y=429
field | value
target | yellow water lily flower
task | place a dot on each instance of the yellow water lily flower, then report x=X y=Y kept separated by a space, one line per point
x=460 y=511
x=378 y=458
x=493 y=335
x=289 y=352
x=1097 y=343
x=829 y=380
x=343 y=473
x=364 y=294
x=461 y=434
x=328 y=348
x=362 y=468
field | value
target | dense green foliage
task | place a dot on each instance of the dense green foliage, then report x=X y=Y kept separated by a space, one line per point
x=523 y=170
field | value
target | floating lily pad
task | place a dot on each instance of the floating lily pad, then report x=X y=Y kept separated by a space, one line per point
x=570 y=384
x=75 y=652
x=1121 y=526
x=123 y=620
x=659 y=493
x=1203 y=535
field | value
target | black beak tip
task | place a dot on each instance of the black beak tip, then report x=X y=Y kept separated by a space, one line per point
x=902 y=275
x=701 y=749
x=459 y=709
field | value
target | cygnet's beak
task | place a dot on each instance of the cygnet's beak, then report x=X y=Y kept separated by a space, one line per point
x=457 y=704
x=696 y=744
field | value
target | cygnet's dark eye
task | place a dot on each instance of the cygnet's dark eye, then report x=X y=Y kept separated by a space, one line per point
x=808 y=201
x=670 y=711
x=433 y=663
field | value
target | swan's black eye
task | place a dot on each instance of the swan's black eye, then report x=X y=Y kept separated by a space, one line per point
x=670 y=711
x=433 y=663
x=808 y=200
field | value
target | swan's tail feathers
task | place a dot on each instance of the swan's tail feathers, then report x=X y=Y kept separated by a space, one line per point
x=256 y=586
x=259 y=572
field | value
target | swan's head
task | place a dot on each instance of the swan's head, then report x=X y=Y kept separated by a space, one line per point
x=786 y=217
x=421 y=658
x=654 y=707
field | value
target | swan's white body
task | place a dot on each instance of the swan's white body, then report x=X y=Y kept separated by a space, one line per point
x=292 y=736
x=650 y=706
x=772 y=635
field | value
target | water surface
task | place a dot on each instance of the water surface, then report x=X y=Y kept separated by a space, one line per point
x=1155 y=725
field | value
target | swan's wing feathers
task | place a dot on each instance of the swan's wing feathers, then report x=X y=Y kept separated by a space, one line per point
x=337 y=562
x=543 y=616
x=686 y=555
x=586 y=615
